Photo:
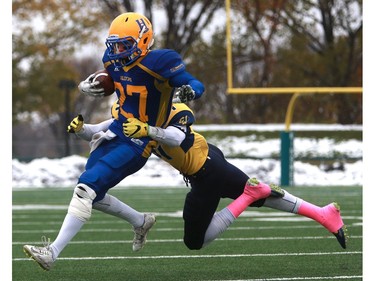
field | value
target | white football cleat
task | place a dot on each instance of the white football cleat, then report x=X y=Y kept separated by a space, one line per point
x=140 y=233
x=42 y=255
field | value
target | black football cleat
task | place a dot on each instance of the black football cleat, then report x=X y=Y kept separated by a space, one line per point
x=342 y=236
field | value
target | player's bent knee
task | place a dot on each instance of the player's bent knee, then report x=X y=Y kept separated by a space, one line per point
x=193 y=245
x=81 y=204
x=259 y=203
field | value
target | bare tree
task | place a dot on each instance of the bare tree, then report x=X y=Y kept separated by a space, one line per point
x=331 y=33
x=186 y=20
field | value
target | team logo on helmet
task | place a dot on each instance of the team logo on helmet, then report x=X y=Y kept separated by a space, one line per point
x=142 y=25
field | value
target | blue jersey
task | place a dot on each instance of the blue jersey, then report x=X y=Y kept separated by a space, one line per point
x=143 y=90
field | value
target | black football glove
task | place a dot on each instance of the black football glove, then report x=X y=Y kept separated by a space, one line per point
x=184 y=94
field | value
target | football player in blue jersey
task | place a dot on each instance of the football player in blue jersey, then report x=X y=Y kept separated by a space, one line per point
x=212 y=177
x=145 y=81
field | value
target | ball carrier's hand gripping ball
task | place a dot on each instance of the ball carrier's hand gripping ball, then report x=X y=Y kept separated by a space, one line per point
x=98 y=84
x=105 y=82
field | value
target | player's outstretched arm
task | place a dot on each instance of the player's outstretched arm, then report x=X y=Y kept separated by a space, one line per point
x=86 y=131
x=171 y=136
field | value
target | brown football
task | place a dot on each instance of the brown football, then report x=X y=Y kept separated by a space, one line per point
x=105 y=82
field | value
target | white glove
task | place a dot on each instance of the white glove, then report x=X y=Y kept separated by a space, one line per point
x=88 y=87
x=184 y=94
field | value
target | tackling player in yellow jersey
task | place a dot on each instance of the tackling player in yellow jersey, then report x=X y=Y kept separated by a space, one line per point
x=212 y=177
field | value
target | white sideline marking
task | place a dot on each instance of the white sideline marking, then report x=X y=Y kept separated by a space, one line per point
x=39 y=207
x=178 y=229
x=250 y=213
x=297 y=278
x=201 y=256
x=181 y=240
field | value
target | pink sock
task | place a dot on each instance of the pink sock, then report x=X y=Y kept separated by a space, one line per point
x=239 y=205
x=311 y=211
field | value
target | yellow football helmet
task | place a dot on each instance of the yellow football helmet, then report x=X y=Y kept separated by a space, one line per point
x=130 y=36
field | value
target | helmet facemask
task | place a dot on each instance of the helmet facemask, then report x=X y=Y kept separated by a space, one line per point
x=124 y=50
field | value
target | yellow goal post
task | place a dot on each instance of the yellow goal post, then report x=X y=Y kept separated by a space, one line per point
x=286 y=154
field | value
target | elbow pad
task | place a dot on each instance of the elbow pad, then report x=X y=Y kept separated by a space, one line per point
x=170 y=136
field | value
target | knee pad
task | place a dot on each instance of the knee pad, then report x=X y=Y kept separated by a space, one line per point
x=81 y=204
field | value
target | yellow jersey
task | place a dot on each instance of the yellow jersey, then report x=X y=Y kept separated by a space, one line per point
x=190 y=156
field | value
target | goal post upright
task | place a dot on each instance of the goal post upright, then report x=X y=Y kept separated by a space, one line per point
x=286 y=136
x=229 y=46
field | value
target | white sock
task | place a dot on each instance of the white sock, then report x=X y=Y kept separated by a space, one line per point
x=113 y=206
x=68 y=230
x=288 y=203
x=219 y=223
